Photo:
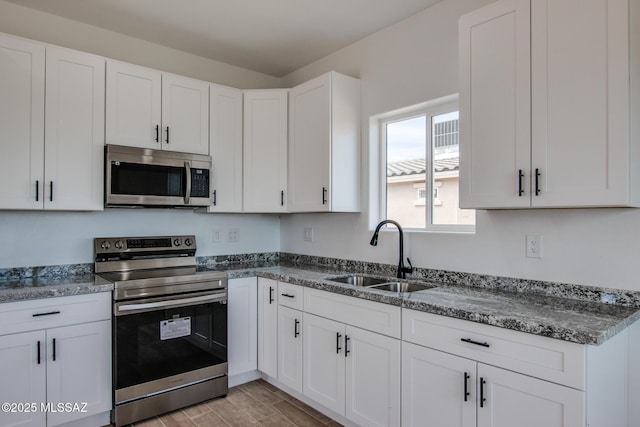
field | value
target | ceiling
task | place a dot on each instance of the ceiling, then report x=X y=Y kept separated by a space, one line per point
x=274 y=37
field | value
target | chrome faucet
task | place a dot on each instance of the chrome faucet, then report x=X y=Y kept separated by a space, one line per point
x=402 y=270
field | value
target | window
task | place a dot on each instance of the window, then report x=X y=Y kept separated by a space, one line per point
x=420 y=156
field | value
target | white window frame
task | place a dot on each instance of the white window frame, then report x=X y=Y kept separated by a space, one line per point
x=429 y=109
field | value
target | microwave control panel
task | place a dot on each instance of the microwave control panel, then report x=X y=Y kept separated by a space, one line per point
x=199 y=182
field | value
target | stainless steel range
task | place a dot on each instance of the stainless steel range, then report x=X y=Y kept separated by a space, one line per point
x=169 y=325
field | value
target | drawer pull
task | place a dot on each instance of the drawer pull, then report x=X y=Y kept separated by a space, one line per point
x=482 y=398
x=288 y=295
x=466 y=386
x=49 y=313
x=470 y=341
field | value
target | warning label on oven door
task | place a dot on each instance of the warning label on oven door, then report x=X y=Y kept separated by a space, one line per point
x=175 y=328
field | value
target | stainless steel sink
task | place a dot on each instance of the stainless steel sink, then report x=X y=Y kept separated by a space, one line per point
x=401 y=287
x=358 y=280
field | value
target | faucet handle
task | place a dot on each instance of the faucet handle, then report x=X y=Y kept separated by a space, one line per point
x=408 y=269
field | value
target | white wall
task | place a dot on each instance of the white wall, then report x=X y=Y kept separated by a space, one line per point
x=32 y=24
x=49 y=238
x=415 y=61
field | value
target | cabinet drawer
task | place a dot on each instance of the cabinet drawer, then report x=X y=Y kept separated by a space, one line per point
x=550 y=359
x=53 y=312
x=290 y=295
x=373 y=316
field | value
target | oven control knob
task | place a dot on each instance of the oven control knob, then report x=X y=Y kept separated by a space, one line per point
x=105 y=245
x=177 y=242
x=118 y=244
x=188 y=242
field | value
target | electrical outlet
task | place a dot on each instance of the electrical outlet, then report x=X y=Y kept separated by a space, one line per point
x=307 y=234
x=216 y=236
x=534 y=246
x=233 y=235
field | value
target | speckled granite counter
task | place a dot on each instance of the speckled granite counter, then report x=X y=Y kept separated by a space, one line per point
x=571 y=319
x=583 y=322
x=55 y=286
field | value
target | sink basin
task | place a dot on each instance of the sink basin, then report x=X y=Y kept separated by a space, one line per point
x=401 y=287
x=358 y=280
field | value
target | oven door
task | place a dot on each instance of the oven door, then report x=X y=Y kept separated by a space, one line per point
x=165 y=343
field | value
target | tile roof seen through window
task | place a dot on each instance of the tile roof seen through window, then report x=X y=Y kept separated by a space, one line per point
x=418 y=166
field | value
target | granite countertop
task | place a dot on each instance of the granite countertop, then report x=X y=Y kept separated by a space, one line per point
x=55 y=286
x=574 y=320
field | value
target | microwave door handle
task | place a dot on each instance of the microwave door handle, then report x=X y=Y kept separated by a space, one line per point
x=187 y=193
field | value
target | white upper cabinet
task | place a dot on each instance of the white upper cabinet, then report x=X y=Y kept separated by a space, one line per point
x=150 y=109
x=74 y=131
x=324 y=145
x=225 y=127
x=265 y=150
x=133 y=105
x=54 y=163
x=22 y=123
x=185 y=114
x=545 y=101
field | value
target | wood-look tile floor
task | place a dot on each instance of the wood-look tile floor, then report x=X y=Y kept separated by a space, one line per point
x=257 y=403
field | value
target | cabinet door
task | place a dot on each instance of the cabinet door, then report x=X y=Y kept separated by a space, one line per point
x=324 y=362
x=226 y=148
x=74 y=130
x=373 y=378
x=309 y=145
x=434 y=387
x=512 y=399
x=185 y=114
x=290 y=348
x=22 y=123
x=23 y=376
x=133 y=102
x=79 y=369
x=265 y=151
x=495 y=105
x=243 y=325
x=580 y=102
x=268 y=326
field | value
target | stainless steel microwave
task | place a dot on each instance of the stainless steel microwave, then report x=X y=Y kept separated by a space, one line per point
x=146 y=177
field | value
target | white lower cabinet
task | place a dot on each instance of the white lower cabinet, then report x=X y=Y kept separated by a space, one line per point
x=23 y=378
x=268 y=326
x=353 y=372
x=444 y=390
x=290 y=339
x=242 y=325
x=506 y=399
x=56 y=357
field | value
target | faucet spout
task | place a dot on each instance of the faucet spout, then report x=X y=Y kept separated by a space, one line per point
x=402 y=270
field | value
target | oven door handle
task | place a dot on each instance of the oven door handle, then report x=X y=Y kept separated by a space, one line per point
x=187 y=192
x=182 y=302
